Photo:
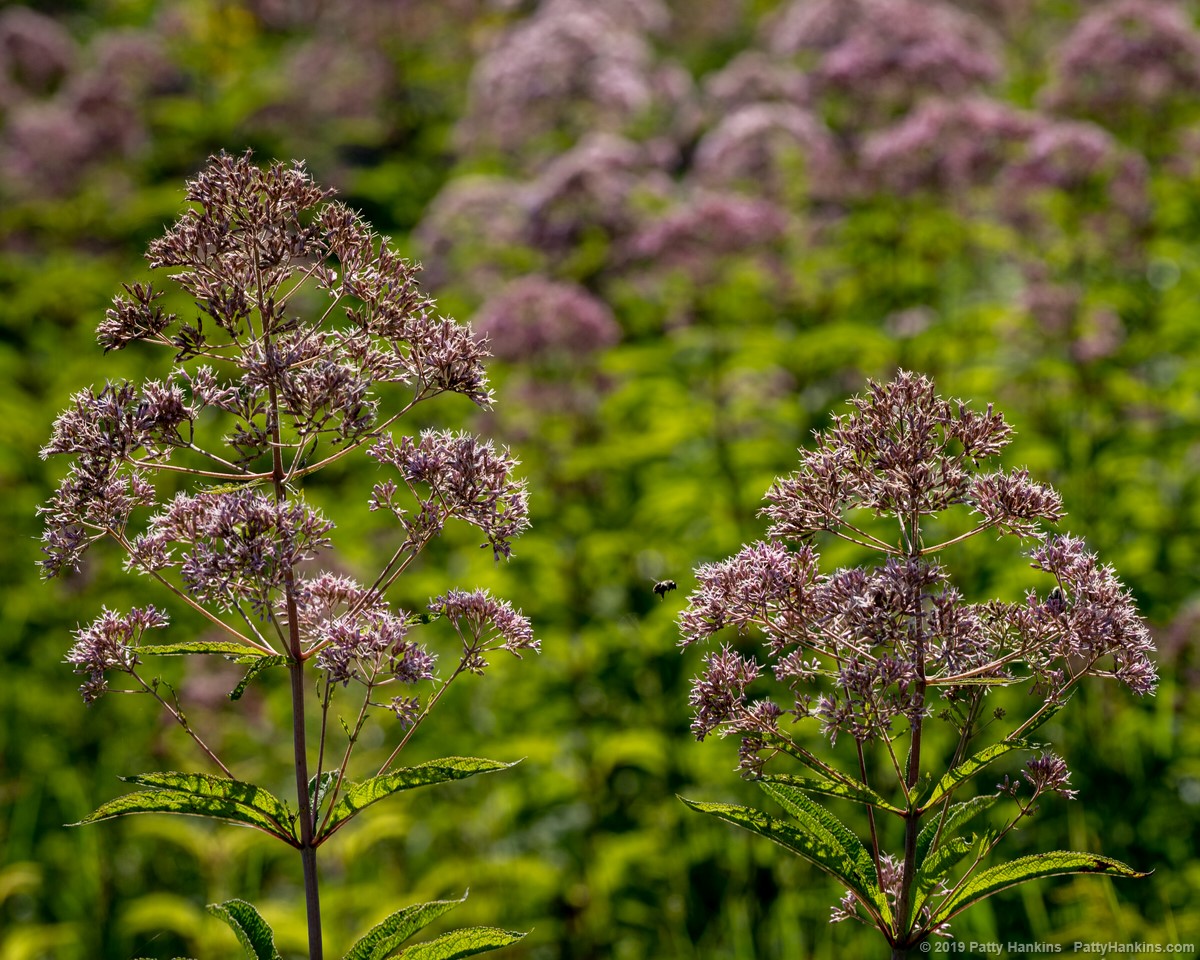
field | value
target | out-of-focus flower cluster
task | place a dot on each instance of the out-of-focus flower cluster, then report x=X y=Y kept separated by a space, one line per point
x=862 y=647
x=613 y=177
x=1128 y=64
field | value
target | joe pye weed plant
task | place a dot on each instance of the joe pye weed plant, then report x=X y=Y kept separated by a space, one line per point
x=869 y=658
x=198 y=478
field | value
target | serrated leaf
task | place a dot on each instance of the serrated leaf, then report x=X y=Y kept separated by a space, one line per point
x=361 y=795
x=318 y=788
x=957 y=815
x=461 y=943
x=859 y=792
x=1050 y=712
x=188 y=804
x=186 y=647
x=936 y=865
x=812 y=843
x=206 y=785
x=383 y=939
x=814 y=816
x=971 y=766
x=252 y=931
x=257 y=667
x=1024 y=869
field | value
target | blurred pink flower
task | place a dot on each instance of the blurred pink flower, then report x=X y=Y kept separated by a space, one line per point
x=36 y=53
x=597 y=185
x=754 y=77
x=537 y=319
x=761 y=149
x=946 y=145
x=1127 y=60
x=705 y=228
x=883 y=55
x=645 y=16
x=564 y=71
x=1080 y=157
x=474 y=221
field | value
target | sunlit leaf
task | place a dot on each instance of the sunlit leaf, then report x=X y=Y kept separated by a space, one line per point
x=383 y=939
x=253 y=932
x=256 y=667
x=816 y=817
x=186 y=647
x=810 y=841
x=858 y=792
x=1028 y=868
x=216 y=807
x=362 y=795
x=971 y=766
x=207 y=785
x=461 y=943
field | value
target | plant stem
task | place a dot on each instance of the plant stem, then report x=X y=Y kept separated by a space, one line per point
x=308 y=852
x=912 y=820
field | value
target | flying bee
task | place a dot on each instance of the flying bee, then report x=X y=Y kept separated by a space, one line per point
x=663 y=587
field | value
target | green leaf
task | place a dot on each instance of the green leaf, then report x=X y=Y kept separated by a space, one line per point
x=319 y=787
x=816 y=817
x=199 y=795
x=1050 y=712
x=859 y=792
x=224 y=647
x=257 y=666
x=207 y=785
x=461 y=943
x=971 y=766
x=1024 y=869
x=955 y=817
x=813 y=843
x=253 y=932
x=361 y=795
x=385 y=937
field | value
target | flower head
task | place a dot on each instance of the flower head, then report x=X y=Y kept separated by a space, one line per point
x=110 y=643
x=864 y=649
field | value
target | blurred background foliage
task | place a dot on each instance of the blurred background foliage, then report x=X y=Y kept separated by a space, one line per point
x=691 y=229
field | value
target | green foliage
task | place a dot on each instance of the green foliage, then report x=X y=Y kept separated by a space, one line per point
x=253 y=932
x=1053 y=863
x=820 y=838
x=950 y=781
x=203 y=795
x=359 y=796
x=716 y=380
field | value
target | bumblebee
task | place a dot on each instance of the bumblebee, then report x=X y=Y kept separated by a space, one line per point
x=663 y=587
